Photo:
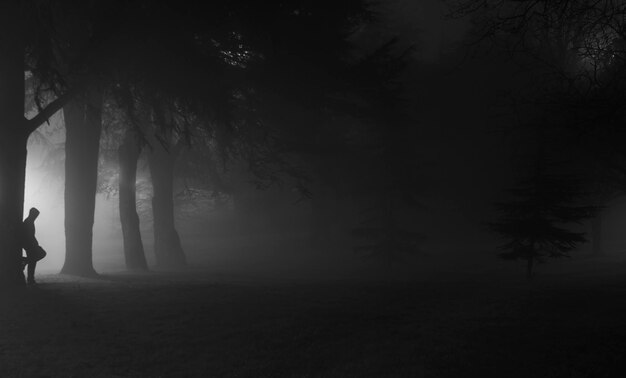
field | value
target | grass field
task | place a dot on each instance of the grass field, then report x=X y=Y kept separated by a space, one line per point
x=160 y=325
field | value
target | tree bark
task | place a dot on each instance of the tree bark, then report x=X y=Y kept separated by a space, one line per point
x=12 y=175
x=167 y=247
x=13 y=138
x=83 y=123
x=134 y=254
x=596 y=235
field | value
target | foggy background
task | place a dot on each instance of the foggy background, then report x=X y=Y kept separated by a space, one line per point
x=348 y=184
x=465 y=160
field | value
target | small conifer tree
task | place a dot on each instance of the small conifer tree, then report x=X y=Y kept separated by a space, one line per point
x=535 y=220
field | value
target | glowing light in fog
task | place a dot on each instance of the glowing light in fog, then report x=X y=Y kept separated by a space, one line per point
x=44 y=190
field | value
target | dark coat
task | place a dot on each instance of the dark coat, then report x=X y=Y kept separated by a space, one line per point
x=29 y=241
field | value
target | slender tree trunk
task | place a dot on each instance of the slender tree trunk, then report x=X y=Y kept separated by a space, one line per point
x=133 y=247
x=13 y=138
x=167 y=247
x=83 y=123
x=596 y=235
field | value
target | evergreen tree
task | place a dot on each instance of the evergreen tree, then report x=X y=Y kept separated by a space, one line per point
x=535 y=220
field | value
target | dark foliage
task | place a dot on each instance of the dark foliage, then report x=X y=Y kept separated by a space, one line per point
x=537 y=220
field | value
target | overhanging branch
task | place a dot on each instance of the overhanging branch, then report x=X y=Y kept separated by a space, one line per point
x=43 y=116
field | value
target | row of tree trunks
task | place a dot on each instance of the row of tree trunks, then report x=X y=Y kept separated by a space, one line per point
x=167 y=247
x=83 y=127
x=83 y=120
x=128 y=154
x=13 y=139
x=83 y=124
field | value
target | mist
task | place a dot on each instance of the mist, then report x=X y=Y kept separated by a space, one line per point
x=320 y=189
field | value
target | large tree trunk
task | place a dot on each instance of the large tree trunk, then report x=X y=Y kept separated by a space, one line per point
x=12 y=175
x=13 y=138
x=83 y=123
x=167 y=248
x=133 y=247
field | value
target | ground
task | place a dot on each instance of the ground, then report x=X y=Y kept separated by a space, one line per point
x=199 y=325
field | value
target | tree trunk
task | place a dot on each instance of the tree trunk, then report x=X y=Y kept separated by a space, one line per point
x=596 y=235
x=83 y=123
x=167 y=247
x=133 y=247
x=12 y=174
x=13 y=138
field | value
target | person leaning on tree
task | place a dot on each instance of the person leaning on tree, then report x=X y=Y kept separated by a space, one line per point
x=30 y=244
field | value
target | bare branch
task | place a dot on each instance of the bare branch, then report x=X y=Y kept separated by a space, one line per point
x=47 y=112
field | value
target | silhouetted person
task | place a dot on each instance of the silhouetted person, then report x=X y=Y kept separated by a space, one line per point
x=30 y=244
